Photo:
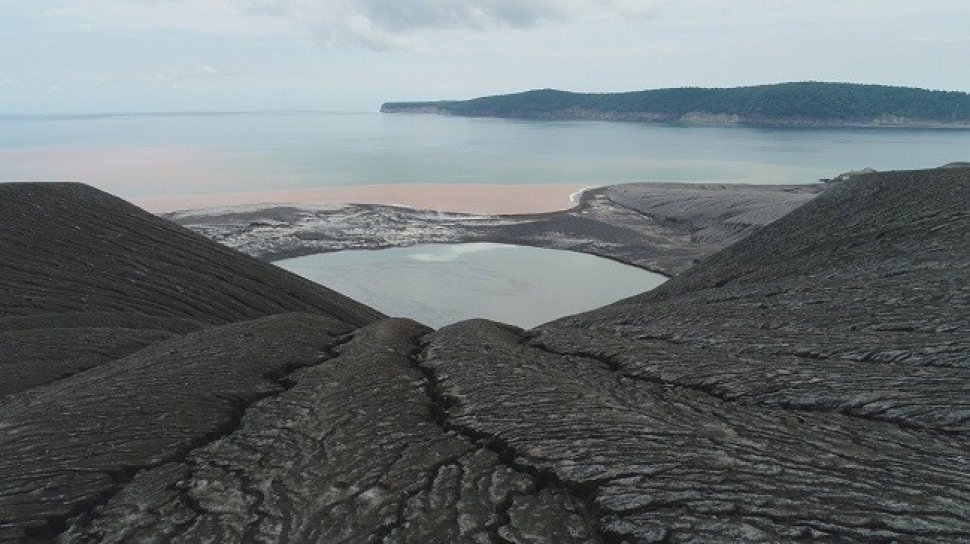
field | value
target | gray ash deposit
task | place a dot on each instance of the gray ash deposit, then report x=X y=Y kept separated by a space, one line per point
x=663 y=227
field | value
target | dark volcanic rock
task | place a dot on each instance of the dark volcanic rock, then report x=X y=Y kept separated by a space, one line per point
x=38 y=356
x=830 y=351
x=87 y=278
x=659 y=462
x=350 y=453
x=70 y=248
x=810 y=382
x=68 y=445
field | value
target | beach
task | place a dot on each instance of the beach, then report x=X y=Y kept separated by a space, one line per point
x=661 y=227
x=471 y=198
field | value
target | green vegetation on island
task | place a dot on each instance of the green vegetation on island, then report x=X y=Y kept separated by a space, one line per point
x=784 y=104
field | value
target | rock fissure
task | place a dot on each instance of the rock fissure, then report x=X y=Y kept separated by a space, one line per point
x=507 y=454
x=58 y=525
x=438 y=414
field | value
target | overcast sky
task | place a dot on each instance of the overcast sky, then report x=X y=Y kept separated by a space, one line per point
x=191 y=55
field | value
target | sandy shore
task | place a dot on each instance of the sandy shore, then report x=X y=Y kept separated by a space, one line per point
x=459 y=198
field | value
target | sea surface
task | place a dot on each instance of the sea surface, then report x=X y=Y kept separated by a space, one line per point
x=148 y=155
x=445 y=283
x=185 y=156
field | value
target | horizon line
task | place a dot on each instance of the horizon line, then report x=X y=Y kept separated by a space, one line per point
x=177 y=113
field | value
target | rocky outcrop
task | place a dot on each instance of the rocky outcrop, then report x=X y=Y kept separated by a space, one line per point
x=808 y=382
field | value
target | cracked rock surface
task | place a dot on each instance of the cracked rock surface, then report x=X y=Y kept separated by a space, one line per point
x=69 y=444
x=350 y=452
x=807 y=383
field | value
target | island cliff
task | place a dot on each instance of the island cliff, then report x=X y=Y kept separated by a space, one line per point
x=807 y=104
x=808 y=382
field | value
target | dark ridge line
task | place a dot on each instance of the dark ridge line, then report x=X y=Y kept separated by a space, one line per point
x=382 y=532
x=531 y=340
x=57 y=526
x=508 y=455
x=438 y=415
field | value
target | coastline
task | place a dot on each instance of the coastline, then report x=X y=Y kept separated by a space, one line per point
x=694 y=119
x=466 y=198
x=660 y=227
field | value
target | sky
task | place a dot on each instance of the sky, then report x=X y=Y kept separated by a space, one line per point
x=100 y=56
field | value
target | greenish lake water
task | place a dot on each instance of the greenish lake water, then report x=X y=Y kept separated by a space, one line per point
x=137 y=156
x=439 y=284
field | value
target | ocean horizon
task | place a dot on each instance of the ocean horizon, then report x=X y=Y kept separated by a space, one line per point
x=158 y=155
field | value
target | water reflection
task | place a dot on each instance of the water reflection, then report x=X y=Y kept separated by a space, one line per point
x=445 y=283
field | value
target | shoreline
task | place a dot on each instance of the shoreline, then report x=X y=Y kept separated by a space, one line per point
x=660 y=227
x=465 y=198
x=699 y=119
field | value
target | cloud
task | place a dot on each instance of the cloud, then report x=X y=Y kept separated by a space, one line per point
x=383 y=24
x=397 y=16
x=225 y=18
x=376 y=24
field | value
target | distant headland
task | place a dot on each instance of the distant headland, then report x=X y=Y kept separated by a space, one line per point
x=804 y=104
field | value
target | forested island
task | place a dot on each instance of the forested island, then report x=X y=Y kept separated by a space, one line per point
x=804 y=104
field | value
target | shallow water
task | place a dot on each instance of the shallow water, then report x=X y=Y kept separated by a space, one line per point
x=137 y=156
x=439 y=284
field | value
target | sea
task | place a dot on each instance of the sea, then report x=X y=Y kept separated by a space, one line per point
x=150 y=155
x=145 y=156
